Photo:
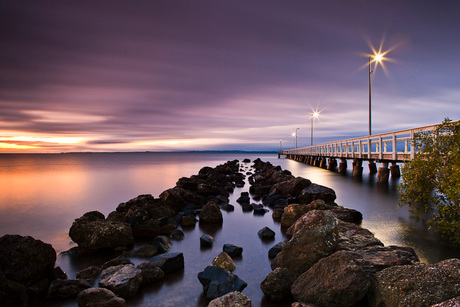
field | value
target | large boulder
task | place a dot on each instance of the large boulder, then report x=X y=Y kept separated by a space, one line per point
x=316 y=191
x=277 y=284
x=170 y=262
x=178 y=198
x=68 y=288
x=353 y=237
x=210 y=214
x=276 y=249
x=336 y=280
x=12 y=293
x=217 y=281
x=93 y=232
x=150 y=273
x=124 y=280
x=347 y=214
x=26 y=260
x=233 y=299
x=416 y=285
x=116 y=261
x=223 y=260
x=292 y=213
x=99 y=297
x=314 y=236
x=376 y=258
x=453 y=302
x=292 y=188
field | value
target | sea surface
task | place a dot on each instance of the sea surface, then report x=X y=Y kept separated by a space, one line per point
x=42 y=194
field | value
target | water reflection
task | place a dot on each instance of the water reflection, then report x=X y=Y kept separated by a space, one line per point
x=41 y=196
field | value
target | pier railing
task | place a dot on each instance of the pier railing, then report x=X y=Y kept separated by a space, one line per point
x=394 y=146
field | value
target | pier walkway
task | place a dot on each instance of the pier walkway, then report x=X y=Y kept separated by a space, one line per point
x=392 y=147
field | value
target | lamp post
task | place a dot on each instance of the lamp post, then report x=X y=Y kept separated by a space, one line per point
x=314 y=115
x=296 y=136
x=377 y=58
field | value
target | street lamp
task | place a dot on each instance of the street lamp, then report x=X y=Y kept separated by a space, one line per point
x=295 y=134
x=377 y=58
x=314 y=115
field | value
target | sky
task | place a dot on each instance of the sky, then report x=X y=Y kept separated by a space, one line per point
x=167 y=75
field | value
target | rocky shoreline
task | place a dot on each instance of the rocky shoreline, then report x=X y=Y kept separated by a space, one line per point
x=328 y=260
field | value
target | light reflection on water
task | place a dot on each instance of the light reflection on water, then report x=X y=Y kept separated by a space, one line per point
x=41 y=195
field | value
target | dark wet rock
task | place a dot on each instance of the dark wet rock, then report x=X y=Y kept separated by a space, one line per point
x=123 y=280
x=67 y=288
x=150 y=273
x=271 y=199
x=141 y=201
x=217 y=282
x=116 y=261
x=26 y=260
x=247 y=207
x=170 y=262
x=222 y=200
x=58 y=273
x=300 y=304
x=102 y=297
x=416 y=285
x=278 y=213
x=277 y=284
x=266 y=233
x=12 y=293
x=206 y=240
x=233 y=251
x=244 y=198
x=89 y=273
x=246 y=160
x=147 y=251
x=292 y=213
x=210 y=214
x=353 y=237
x=178 y=198
x=315 y=235
x=228 y=208
x=93 y=232
x=454 y=302
x=177 y=234
x=136 y=215
x=336 y=280
x=233 y=299
x=116 y=216
x=259 y=209
x=376 y=258
x=223 y=260
x=347 y=215
x=272 y=252
x=147 y=229
x=188 y=184
x=316 y=191
x=260 y=190
x=162 y=243
x=292 y=188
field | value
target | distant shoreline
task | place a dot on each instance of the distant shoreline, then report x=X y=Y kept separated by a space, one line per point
x=143 y=152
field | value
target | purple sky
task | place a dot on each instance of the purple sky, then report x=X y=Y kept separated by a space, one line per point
x=216 y=75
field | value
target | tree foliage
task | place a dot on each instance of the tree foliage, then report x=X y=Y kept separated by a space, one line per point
x=431 y=181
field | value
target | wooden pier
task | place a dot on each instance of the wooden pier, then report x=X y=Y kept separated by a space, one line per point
x=386 y=148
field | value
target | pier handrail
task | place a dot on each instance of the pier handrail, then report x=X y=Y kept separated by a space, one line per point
x=378 y=147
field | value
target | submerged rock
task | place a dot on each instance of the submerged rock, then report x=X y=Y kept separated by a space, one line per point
x=233 y=251
x=217 y=281
x=99 y=297
x=266 y=234
x=67 y=288
x=170 y=262
x=124 y=280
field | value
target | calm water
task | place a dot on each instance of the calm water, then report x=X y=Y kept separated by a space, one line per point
x=41 y=195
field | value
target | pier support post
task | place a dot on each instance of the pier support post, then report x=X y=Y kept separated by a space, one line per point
x=394 y=169
x=332 y=164
x=384 y=173
x=372 y=167
x=323 y=162
x=357 y=167
x=343 y=166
